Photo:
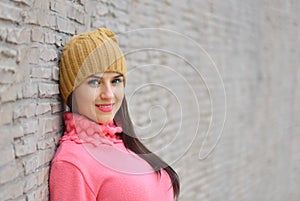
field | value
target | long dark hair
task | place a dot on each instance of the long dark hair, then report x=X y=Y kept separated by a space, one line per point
x=131 y=142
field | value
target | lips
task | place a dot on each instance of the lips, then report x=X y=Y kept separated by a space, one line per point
x=105 y=107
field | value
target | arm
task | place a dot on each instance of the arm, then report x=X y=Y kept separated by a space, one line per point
x=67 y=183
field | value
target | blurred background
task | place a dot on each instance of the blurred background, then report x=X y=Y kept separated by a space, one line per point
x=212 y=88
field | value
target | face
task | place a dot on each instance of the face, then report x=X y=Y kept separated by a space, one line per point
x=99 y=97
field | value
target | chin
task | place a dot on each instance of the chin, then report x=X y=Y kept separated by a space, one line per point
x=104 y=120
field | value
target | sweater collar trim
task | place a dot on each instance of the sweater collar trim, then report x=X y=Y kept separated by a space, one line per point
x=82 y=130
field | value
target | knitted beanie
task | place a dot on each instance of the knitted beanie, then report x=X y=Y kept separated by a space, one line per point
x=87 y=54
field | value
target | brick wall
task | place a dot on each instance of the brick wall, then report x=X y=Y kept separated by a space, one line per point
x=212 y=88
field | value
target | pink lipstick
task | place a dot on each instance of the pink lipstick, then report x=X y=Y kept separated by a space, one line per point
x=105 y=107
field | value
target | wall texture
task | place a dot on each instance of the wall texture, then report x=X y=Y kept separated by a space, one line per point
x=212 y=87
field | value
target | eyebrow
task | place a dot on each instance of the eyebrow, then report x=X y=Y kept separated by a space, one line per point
x=100 y=77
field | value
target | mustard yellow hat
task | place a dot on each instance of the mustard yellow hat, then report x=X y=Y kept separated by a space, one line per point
x=87 y=54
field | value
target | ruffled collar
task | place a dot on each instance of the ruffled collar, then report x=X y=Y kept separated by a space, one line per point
x=81 y=130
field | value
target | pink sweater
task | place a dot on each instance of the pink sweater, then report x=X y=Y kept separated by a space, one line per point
x=108 y=172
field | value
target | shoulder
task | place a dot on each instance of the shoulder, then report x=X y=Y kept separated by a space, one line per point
x=77 y=155
x=80 y=157
x=73 y=158
x=69 y=151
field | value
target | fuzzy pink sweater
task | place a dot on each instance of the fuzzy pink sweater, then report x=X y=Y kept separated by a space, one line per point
x=106 y=172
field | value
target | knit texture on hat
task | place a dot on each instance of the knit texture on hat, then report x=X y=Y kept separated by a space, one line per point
x=87 y=54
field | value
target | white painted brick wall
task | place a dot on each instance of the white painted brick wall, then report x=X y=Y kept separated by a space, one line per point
x=176 y=95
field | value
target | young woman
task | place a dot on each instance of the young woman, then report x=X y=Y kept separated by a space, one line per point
x=100 y=157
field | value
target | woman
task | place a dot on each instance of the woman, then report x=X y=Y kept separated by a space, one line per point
x=99 y=157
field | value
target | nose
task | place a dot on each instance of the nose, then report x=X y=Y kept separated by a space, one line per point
x=107 y=92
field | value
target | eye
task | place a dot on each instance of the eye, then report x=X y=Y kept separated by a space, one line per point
x=94 y=82
x=117 y=81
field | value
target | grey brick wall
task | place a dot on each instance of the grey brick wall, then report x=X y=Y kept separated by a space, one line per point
x=212 y=88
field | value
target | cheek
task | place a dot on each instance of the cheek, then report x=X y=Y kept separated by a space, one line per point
x=119 y=94
x=84 y=98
